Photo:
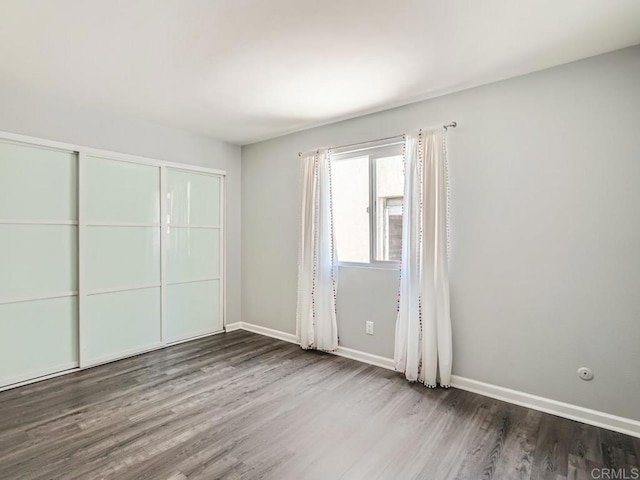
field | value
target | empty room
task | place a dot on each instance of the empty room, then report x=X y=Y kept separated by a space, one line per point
x=318 y=240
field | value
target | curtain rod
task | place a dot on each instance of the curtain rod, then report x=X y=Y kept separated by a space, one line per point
x=447 y=126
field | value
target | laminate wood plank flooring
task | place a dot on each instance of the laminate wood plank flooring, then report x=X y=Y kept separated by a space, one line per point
x=244 y=406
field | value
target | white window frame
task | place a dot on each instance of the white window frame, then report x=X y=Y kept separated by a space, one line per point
x=373 y=151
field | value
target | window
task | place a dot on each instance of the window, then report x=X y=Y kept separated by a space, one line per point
x=368 y=187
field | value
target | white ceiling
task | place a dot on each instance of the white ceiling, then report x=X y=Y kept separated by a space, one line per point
x=246 y=70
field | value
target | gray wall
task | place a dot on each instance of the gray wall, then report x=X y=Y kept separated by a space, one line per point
x=30 y=114
x=545 y=271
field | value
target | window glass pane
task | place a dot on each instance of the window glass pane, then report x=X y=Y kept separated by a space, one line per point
x=350 y=182
x=389 y=183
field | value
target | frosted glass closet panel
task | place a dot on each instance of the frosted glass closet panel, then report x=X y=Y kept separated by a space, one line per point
x=121 y=192
x=122 y=257
x=192 y=309
x=37 y=338
x=38 y=261
x=120 y=324
x=122 y=307
x=193 y=254
x=194 y=199
x=37 y=183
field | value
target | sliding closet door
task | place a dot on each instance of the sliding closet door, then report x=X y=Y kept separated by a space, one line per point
x=194 y=254
x=121 y=259
x=38 y=266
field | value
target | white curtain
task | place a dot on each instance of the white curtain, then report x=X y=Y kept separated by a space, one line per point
x=317 y=269
x=423 y=349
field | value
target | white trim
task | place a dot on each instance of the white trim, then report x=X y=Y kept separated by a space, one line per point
x=199 y=170
x=232 y=327
x=223 y=252
x=186 y=225
x=267 y=332
x=122 y=158
x=193 y=336
x=383 y=148
x=588 y=416
x=96 y=152
x=20 y=221
x=377 y=265
x=364 y=357
x=547 y=405
x=205 y=279
x=122 y=224
x=35 y=298
x=164 y=248
x=8 y=137
x=288 y=337
x=142 y=286
x=19 y=380
x=132 y=352
x=82 y=254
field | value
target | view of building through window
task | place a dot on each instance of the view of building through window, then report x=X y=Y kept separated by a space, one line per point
x=367 y=201
x=389 y=188
x=390 y=229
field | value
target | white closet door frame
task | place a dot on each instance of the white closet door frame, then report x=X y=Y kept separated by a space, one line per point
x=85 y=361
x=82 y=153
x=163 y=254
x=71 y=366
x=82 y=254
x=96 y=152
x=221 y=238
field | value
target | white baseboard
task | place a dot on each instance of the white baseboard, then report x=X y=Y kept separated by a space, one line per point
x=231 y=327
x=267 y=332
x=364 y=357
x=288 y=337
x=547 y=405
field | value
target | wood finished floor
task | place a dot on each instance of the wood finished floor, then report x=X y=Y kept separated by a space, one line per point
x=244 y=406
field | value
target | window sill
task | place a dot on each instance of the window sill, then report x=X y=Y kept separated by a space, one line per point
x=371 y=266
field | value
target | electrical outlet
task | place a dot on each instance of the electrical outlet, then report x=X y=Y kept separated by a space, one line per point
x=369 y=328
